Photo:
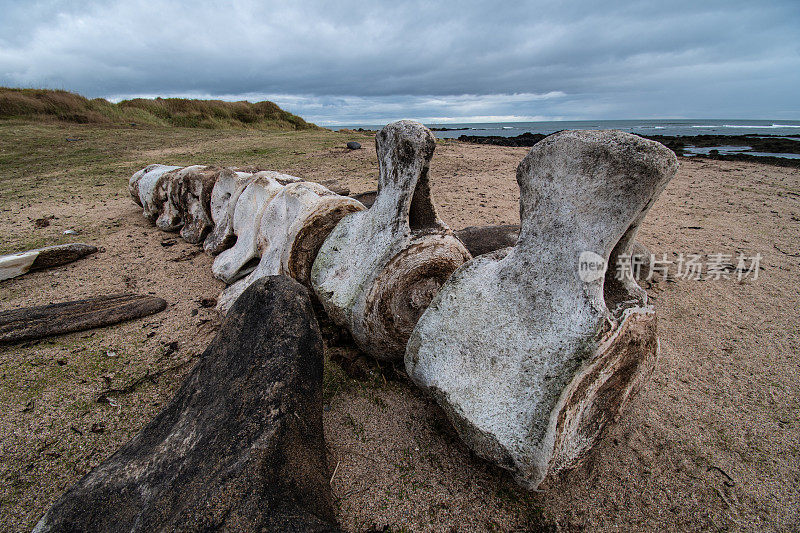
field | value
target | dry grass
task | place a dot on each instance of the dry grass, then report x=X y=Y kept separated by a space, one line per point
x=47 y=104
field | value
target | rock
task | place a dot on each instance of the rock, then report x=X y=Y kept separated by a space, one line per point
x=224 y=196
x=14 y=265
x=42 y=321
x=238 y=261
x=378 y=269
x=239 y=448
x=528 y=361
x=292 y=229
x=353 y=145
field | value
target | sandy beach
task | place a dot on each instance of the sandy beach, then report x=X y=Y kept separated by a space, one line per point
x=711 y=442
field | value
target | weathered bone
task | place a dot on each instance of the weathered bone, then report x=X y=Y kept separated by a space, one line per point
x=166 y=199
x=193 y=200
x=223 y=203
x=150 y=188
x=292 y=229
x=528 y=361
x=240 y=447
x=237 y=261
x=378 y=269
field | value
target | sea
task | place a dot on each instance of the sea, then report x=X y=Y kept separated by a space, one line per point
x=780 y=128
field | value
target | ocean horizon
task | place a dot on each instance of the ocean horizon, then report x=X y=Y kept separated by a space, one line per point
x=670 y=127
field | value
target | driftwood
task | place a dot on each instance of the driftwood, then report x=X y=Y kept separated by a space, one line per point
x=66 y=317
x=14 y=265
x=239 y=448
x=532 y=351
x=379 y=268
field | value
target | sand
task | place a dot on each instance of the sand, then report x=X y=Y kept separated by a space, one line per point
x=712 y=441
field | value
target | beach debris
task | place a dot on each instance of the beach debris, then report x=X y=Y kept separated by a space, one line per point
x=224 y=196
x=237 y=261
x=240 y=446
x=378 y=269
x=531 y=353
x=353 y=145
x=291 y=231
x=14 y=265
x=70 y=232
x=37 y=322
x=43 y=222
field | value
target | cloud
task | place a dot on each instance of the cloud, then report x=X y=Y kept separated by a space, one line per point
x=359 y=62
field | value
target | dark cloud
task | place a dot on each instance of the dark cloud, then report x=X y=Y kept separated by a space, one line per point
x=373 y=61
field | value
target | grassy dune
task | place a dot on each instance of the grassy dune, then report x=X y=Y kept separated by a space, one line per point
x=47 y=104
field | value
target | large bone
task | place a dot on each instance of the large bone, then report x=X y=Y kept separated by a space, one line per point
x=240 y=447
x=379 y=269
x=528 y=361
x=238 y=260
x=226 y=192
x=149 y=185
x=292 y=229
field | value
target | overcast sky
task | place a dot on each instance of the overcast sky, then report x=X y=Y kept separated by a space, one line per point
x=340 y=62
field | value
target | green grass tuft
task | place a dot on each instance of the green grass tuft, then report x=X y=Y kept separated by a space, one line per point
x=48 y=104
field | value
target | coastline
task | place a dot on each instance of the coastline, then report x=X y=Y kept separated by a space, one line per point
x=773 y=149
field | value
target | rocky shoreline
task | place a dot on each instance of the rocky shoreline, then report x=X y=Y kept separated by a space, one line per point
x=679 y=144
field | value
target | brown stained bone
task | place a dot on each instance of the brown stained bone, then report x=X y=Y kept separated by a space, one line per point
x=240 y=447
x=14 y=265
x=66 y=317
x=310 y=238
x=193 y=201
x=405 y=288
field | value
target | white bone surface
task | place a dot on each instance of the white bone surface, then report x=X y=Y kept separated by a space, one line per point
x=528 y=361
x=148 y=186
x=223 y=204
x=292 y=227
x=237 y=261
x=400 y=232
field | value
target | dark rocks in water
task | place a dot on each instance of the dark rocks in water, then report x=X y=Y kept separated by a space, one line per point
x=353 y=145
x=759 y=143
x=240 y=447
x=526 y=139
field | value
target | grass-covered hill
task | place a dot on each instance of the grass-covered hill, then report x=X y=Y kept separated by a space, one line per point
x=49 y=105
